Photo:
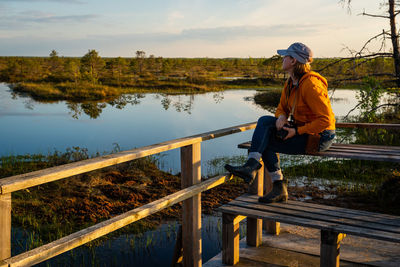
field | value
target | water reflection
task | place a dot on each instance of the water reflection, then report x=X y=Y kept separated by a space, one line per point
x=93 y=109
x=182 y=103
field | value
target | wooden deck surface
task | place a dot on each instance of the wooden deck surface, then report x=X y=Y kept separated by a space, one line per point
x=299 y=246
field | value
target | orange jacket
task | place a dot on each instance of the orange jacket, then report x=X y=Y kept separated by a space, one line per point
x=313 y=108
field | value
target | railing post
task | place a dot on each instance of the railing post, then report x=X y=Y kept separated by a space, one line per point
x=5 y=226
x=191 y=214
x=254 y=226
x=271 y=227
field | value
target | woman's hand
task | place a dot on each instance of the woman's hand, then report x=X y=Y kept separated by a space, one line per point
x=291 y=132
x=280 y=122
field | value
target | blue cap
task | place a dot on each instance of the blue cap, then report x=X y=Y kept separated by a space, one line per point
x=299 y=51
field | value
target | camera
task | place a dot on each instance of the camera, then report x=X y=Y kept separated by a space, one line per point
x=282 y=133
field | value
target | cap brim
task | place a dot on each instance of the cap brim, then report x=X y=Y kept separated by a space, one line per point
x=282 y=52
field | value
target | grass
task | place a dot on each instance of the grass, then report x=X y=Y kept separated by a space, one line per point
x=86 y=91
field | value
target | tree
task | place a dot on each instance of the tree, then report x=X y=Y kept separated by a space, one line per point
x=140 y=57
x=392 y=11
x=54 y=65
x=91 y=65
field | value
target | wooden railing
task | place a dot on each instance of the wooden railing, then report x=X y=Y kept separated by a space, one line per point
x=190 y=195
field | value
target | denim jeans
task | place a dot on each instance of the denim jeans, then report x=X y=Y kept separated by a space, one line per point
x=265 y=142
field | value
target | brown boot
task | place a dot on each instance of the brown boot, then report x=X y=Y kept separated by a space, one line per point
x=278 y=194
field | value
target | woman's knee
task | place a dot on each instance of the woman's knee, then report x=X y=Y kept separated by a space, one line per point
x=266 y=120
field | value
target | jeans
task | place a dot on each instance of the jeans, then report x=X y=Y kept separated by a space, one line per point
x=265 y=142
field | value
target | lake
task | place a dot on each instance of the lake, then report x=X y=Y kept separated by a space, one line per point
x=137 y=120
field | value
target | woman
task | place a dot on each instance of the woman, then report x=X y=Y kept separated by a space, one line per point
x=303 y=119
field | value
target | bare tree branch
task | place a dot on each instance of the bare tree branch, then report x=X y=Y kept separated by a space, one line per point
x=383 y=105
x=383 y=33
x=373 y=15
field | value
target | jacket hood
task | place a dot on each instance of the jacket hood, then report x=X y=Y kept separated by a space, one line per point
x=314 y=74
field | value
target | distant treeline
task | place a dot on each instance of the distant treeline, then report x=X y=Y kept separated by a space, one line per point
x=59 y=76
x=121 y=71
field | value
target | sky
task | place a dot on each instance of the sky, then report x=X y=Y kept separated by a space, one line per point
x=190 y=28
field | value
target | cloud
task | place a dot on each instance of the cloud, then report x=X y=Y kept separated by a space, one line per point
x=114 y=44
x=60 y=19
x=226 y=33
x=220 y=34
x=25 y=20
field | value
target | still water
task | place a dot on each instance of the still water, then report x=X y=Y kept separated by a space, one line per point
x=28 y=126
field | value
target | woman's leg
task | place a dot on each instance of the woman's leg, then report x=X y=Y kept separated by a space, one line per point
x=261 y=136
x=294 y=145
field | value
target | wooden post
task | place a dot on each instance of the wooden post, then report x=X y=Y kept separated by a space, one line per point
x=270 y=227
x=230 y=238
x=191 y=215
x=330 y=248
x=5 y=226
x=254 y=226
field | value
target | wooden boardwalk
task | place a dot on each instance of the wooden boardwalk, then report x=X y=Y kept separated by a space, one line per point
x=299 y=246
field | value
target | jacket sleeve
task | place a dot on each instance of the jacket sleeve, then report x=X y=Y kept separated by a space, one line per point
x=315 y=96
x=282 y=108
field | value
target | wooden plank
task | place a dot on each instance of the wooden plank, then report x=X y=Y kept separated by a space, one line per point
x=18 y=182
x=392 y=223
x=377 y=153
x=247 y=145
x=191 y=210
x=388 y=158
x=76 y=239
x=368 y=125
x=330 y=249
x=5 y=226
x=304 y=213
x=366 y=147
x=230 y=238
x=365 y=150
x=391 y=219
x=369 y=233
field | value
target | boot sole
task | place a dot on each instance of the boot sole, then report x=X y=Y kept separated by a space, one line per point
x=278 y=200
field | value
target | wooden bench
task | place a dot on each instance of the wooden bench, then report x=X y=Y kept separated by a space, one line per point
x=333 y=222
x=353 y=151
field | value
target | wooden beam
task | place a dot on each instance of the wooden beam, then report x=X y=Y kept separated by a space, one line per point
x=191 y=215
x=230 y=238
x=271 y=227
x=254 y=225
x=5 y=226
x=18 y=182
x=79 y=238
x=330 y=248
x=368 y=125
